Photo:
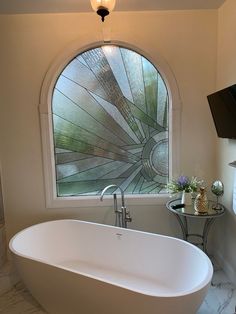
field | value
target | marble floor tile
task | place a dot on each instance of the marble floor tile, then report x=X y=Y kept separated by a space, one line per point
x=15 y=298
x=221 y=297
x=19 y=301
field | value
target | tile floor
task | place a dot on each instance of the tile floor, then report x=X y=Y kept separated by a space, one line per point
x=15 y=299
x=221 y=297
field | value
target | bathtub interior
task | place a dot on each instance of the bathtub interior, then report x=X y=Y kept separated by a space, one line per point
x=143 y=262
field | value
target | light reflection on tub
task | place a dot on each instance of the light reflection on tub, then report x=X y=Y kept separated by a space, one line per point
x=73 y=267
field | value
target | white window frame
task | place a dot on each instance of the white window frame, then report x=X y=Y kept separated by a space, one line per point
x=52 y=200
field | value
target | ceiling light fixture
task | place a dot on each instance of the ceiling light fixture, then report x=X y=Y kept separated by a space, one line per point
x=103 y=7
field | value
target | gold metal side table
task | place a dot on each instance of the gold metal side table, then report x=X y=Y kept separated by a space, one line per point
x=182 y=213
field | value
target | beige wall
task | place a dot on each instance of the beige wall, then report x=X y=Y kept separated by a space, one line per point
x=226 y=149
x=29 y=43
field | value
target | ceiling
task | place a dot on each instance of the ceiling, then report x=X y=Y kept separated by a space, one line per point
x=62 y=6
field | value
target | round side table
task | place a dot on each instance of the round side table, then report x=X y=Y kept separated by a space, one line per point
x=182 y=213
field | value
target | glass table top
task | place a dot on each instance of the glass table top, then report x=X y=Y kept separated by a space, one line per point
x=190 y=211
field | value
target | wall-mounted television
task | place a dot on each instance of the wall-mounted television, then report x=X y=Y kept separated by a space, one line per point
x=223 y=109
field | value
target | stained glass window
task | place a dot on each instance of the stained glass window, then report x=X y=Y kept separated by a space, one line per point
x=110 y=124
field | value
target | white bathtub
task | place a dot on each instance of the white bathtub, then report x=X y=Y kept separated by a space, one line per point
x=75 y=267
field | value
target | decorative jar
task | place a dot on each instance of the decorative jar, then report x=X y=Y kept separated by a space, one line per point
x=201 y=201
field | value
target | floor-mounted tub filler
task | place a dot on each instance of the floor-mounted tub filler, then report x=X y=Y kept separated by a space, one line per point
x=76 y=267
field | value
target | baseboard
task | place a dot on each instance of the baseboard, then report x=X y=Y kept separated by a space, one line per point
x=226 y=266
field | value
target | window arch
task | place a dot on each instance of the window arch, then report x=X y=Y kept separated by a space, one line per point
x=109 y=122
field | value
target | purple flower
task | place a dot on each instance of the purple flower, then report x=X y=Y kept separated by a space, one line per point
x=183 y=181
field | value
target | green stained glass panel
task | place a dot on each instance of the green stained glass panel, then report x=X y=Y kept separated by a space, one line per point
x=110 y=124
x=150 y=82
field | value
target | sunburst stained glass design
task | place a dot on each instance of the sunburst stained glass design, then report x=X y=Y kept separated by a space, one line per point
x=110 y=124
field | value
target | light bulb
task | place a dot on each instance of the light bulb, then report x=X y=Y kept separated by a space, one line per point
x=103 y=7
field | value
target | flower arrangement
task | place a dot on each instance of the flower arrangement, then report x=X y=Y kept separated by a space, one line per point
x=184 y=183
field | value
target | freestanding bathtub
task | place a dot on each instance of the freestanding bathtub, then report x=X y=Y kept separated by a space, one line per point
x=76 y=267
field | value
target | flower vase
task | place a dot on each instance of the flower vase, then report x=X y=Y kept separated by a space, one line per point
x=186 y=198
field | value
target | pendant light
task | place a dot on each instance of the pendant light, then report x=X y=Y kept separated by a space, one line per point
x=103 y=7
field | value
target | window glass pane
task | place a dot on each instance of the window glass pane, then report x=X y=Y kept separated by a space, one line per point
x=110 y=124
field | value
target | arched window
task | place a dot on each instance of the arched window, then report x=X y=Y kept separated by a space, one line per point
x=108 y=122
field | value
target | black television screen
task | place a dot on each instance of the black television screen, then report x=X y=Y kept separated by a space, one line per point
x=223 y=109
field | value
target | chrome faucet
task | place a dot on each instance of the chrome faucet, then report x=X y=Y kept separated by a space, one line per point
x=122 y=214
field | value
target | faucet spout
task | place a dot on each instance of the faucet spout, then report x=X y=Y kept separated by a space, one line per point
x=123 y=213
x=114 y=186
x=105 y=189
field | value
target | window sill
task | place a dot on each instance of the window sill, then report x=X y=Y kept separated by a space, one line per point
x=94 y=201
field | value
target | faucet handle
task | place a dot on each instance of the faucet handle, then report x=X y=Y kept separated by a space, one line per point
x=128 y=218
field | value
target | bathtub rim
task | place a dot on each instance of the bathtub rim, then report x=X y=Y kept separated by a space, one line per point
x=196 y=288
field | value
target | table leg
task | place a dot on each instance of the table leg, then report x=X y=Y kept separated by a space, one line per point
x=206 y=229
x=184 y=228
x=183 y=225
